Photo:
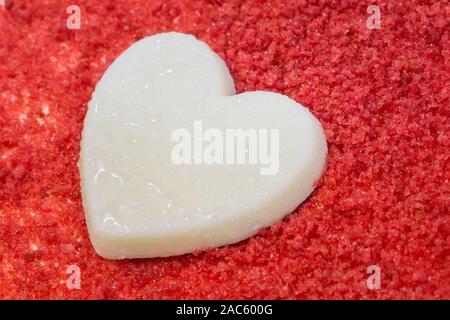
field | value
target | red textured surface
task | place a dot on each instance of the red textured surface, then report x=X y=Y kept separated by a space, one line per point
x=382 y=96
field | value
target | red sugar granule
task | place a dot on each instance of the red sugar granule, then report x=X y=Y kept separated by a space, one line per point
x=382 y=96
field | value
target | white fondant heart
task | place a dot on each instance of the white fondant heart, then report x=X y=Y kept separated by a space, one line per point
x=143 y=198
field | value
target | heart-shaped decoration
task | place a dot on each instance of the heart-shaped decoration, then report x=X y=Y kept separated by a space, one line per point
x=172 y=161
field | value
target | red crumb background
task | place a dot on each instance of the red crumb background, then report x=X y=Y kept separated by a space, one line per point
x=381 y=95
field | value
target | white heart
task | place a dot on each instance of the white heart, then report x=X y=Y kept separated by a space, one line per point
x=138 y=201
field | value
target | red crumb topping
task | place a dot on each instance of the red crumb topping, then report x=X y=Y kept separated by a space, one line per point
x=381 y=95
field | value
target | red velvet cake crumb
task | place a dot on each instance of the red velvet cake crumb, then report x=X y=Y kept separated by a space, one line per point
x=382 y=96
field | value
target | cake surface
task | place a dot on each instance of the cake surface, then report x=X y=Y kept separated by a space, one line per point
x=381 y=95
